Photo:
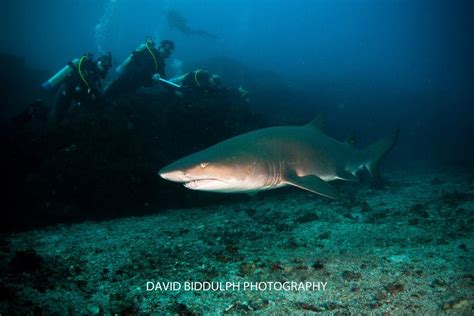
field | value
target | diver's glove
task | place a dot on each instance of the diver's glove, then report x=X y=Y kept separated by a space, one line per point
x=156 y=77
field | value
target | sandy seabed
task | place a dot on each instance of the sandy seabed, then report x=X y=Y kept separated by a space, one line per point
x=406 y=248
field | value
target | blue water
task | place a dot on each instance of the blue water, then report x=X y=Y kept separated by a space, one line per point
x=368 y=65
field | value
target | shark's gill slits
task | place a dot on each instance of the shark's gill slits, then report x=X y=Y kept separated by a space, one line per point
x=274 y=175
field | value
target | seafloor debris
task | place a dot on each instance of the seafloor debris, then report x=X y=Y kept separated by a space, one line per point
x=380 y=263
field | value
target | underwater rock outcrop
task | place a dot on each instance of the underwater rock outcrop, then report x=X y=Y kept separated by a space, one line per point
x=102 y=162
x=268 y=91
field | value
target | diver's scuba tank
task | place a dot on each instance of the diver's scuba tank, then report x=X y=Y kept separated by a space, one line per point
x=121 y=68
x=60 y=75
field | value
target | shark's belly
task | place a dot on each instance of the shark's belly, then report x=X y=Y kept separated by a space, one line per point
x=322 y=167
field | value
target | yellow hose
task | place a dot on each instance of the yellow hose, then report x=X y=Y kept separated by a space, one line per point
x=153 y=56
x=195 y=77
x=81 y=74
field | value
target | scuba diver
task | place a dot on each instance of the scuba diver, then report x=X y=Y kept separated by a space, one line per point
x=142 y=68
x=200 y=83
x=196 y=82
x=79 y=81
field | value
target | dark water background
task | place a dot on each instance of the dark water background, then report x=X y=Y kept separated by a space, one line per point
x=369 y=66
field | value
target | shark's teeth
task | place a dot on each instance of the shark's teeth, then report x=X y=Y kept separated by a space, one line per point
x=195 y=184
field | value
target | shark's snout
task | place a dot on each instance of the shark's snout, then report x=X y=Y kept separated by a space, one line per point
x=172 y=174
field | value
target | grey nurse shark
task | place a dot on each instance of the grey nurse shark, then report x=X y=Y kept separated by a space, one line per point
x=269 y=158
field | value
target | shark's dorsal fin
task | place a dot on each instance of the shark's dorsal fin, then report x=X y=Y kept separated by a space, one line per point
x=319 y=123
x=351 y=139
x=313 y=184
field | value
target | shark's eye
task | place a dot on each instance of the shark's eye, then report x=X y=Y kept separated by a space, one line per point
x=204 y=164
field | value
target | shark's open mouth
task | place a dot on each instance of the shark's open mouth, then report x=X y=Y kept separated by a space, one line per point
x=195 y=184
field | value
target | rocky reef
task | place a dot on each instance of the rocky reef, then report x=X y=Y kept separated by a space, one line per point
x=102 y=161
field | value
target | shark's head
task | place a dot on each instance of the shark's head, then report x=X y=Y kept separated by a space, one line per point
x=211 y=170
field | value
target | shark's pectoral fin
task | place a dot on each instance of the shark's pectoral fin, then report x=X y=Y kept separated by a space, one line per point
x=313 y=184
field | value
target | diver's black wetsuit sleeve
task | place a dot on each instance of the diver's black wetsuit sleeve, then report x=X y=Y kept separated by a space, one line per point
x=93 y=78
x=161 y=68
x=97 y=87
x=142 y=68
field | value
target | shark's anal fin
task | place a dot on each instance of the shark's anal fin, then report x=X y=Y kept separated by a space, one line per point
x=313 y=184
x=345 y=175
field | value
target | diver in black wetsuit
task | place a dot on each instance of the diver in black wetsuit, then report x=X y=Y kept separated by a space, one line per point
x=141 y=69
x=82 y=84
x=200 y=83
x=197 y=82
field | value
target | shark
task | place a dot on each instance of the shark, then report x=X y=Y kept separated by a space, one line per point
x=269 y=158
x=177 y=21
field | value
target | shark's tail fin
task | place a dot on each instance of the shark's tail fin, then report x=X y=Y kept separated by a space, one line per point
x=377 y=151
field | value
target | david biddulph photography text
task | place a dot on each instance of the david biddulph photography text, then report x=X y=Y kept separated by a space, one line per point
x=236 y=286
